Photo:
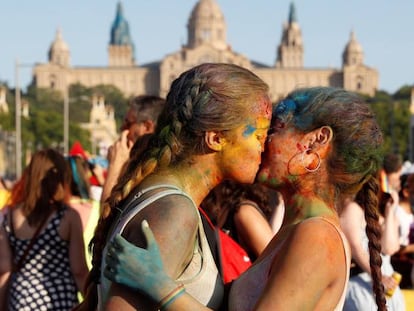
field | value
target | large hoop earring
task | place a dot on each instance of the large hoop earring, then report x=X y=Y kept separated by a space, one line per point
x=303 y=161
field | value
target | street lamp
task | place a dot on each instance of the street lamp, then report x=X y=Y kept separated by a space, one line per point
x=66 y=123
x=18 y=114
x=411 y=132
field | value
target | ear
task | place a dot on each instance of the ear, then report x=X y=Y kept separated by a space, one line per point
x=319 y=140
x=214 y=140
x=149 y=126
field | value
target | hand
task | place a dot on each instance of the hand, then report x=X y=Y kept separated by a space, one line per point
x=138 y=268
x=389 y=282
x=120 y=150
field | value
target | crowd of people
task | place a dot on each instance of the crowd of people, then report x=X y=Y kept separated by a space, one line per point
x=323 y=219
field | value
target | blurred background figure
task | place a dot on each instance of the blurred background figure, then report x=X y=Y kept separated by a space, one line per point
x=403 y=260
x=140 y=119
x=96 y=170
x=42 y=263
x=4 y=193
x=81 y=195
x=242 y=211
x=353 y=223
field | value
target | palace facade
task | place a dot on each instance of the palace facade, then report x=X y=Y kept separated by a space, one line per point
x=206 y=42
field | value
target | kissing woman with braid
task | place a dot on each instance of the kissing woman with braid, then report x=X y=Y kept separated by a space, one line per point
x=323 y=144
x=213 y=127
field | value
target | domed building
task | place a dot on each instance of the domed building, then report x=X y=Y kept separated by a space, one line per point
x=206 y=42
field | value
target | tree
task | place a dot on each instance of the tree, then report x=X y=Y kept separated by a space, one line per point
x=392 y=112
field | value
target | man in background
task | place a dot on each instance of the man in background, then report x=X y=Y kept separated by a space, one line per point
x=140 y=119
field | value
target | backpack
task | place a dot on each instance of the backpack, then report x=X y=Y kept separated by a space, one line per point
x=233 y=259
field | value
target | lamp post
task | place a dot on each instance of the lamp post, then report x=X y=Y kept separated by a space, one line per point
x=18 y=114
x=66 y=123
x=18 y=117
x=411 y=132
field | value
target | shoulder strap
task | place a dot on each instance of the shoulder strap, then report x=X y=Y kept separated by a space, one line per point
x=206 y=217
x=134 y=206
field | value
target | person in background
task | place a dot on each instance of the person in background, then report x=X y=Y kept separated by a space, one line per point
x=140 y=119
x=403 y=260
x=4 y=193
x=243 y=211
x=323 y=144
x=353 y=223
x=82 y=201
x=42 y=263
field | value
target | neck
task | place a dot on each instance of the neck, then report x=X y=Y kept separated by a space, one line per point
x=301 y=206
x=196 y=177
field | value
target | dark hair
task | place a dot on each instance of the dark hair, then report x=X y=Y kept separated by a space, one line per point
x=39 y=183
x=392 y=163
x=229 y=195
x=356 y=158
x=208 y=97
x=147 y=107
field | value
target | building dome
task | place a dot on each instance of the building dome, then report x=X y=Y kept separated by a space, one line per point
x=59 y=45
x=207 y=25
x=59 y=50
x=353 y=45
x=206 y=9
x=353 y=53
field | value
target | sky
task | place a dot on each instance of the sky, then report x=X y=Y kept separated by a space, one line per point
x=385 y=30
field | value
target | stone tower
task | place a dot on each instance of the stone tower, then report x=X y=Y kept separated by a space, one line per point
x=59 y=53
x=290 y=50
x=121 y=48
x=207 y=26
x=353 y=54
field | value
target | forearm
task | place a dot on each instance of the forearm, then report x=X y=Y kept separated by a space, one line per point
x=109 y=183
x=185 y=302
x=390 y=242
x=80 y=280
x=361 y=257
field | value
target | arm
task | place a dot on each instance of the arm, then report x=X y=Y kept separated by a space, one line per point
x=390 y=242
x=352 y=219
x=118 y=155
x=174 y=221
x=253 y=228
x=5 y=267
x=143 y=270
x=278 y=215
x=77 y=258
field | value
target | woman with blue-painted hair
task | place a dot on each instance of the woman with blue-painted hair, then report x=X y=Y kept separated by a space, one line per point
x=323 y=144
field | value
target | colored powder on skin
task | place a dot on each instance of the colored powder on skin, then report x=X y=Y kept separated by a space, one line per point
x=263 y=107
x=249 y=130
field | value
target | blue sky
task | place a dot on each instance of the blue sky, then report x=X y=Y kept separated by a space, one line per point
x=384 y=28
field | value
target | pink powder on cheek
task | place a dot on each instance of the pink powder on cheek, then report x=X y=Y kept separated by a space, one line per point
x=264 y=108
x=300 y=147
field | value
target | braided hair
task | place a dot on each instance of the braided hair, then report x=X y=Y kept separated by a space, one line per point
x=208 y=97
